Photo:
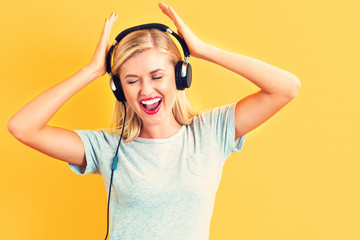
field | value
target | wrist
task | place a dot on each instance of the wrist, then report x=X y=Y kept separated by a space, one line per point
x=92 y=72
x=202 y=51
x=209 y=52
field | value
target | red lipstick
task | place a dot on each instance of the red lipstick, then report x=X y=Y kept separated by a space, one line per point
x=154 y=111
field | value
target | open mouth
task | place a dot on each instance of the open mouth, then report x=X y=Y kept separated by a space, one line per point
x=151 y=106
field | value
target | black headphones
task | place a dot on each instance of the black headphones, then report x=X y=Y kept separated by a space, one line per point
x=183 y=72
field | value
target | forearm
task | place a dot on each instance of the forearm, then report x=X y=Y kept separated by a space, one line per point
x=270 y=79
x=35 y=114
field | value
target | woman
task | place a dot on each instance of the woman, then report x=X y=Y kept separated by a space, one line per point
x=171 y=160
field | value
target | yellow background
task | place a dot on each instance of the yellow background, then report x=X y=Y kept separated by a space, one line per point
x=297 y=177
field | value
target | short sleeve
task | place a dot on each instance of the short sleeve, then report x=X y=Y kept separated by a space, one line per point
x=91 y=141
x=223 y=122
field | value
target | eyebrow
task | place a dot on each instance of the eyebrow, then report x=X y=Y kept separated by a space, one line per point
x=154 y=71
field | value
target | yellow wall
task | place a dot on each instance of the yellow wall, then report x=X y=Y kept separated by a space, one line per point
x=297 y=177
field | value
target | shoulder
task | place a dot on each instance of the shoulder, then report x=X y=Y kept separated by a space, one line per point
x=213 y=120
x=215 y=114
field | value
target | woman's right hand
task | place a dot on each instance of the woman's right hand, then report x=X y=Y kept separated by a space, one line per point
x=98 y=62
x=29 y=124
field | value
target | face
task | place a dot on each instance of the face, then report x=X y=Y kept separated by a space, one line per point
x=148 y=82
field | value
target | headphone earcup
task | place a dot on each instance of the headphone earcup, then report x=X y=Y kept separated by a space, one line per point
x=183 y=82
x=117 y=89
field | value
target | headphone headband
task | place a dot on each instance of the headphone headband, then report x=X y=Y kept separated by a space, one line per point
x=158 y=26
x=183 y=72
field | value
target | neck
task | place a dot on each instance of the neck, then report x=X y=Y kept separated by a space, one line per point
x=159 y=131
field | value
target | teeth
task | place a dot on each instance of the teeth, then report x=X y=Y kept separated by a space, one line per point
x=151 y=101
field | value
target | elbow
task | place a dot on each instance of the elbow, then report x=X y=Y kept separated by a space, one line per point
x=295 y=86
x=12 y=128
x=15 y=130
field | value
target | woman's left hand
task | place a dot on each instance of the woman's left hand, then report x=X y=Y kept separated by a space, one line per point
x=195 y=45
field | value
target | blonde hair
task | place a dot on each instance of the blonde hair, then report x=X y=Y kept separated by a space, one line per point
x=133 y=44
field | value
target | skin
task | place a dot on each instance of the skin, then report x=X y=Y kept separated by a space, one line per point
x=139 y=81
x=30 y=124
x=278 y=87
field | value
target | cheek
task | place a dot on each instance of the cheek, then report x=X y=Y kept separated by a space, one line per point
x=170 y=83
x=130 y=95
x=169 y=88
x=126 y=92
x=171 y=93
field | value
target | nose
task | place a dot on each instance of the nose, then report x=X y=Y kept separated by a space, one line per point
x=147 y=87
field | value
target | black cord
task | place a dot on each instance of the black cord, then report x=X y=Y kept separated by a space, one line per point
x=114 y=165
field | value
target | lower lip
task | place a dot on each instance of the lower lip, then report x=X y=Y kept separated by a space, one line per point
x=153 y=111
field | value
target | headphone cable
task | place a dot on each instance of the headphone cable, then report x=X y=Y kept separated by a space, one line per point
x=114 y=165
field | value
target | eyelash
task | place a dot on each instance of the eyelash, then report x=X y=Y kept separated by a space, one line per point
x=154 y=78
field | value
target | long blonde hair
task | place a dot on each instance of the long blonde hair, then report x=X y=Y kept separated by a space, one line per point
x=129 y=46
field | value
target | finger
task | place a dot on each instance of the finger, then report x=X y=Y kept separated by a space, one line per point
x=170 y=12
x=111 y=20
x=175 y=15
x=109 y=23
x=164 y=8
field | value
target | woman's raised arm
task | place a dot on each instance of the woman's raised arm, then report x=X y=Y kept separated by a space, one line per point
x=29 y=124
x=278 y=87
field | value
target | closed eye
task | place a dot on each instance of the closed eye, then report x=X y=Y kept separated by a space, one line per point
x=132 y=82
x=158 y=77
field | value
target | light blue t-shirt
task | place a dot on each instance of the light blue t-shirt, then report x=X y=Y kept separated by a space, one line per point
x=164 y=189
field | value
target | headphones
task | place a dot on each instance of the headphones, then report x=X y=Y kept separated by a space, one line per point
x=183 y=71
